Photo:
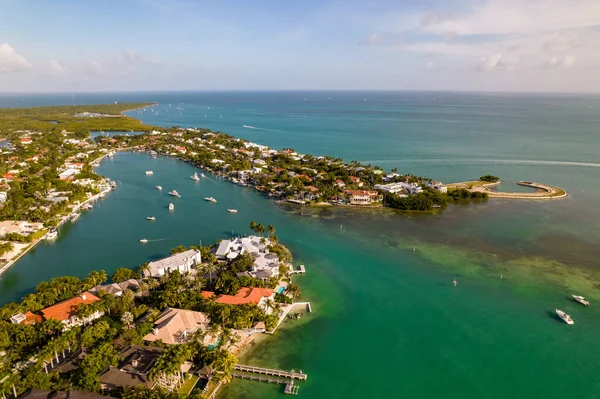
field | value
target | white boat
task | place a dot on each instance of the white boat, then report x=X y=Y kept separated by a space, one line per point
x=174 y=193
x=564 y=317
x=149 y=172
x=232 y=210
x=52 y=234
x=87 y=206
x=171 y=206
x=75 y=216
x=202 y=175
x=159 y=188
x=195 y=177
x=581 y=300
x=210 y=199
x=143 y=241
x=110 y=154
x=151 y=218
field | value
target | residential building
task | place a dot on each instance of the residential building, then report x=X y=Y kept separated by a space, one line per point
x=28 y=318
x=437 y=185
x=356 y=180
x=249 y=295
x=134 y=368
x=362 y=197
x=66 y=311
x=45 y=394
x=265 y=265
x=26 y=141
x=183 y=262
x=117 y=289
x=176 y=326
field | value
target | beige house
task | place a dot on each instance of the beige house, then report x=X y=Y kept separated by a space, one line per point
x=176 y=326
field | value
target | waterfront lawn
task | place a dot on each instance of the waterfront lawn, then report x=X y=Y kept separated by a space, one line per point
x=188 y=385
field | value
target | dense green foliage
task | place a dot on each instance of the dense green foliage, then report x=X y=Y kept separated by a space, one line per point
x=489 y=178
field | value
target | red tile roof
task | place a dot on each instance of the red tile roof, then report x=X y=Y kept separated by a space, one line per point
x=31 y=318
x=8 y=176
x=246 y=295
x=207 y=294
x=66 y=309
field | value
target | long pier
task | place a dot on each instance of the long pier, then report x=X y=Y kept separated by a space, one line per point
x=294 y=375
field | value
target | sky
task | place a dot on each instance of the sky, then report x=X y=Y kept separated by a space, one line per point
x=156 y=45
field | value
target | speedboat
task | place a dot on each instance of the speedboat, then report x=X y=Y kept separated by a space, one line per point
x=143 y=240
x=159 y=188
x=232 y=210
x=564 y=317
x=149 y=172
x=195 y=177
x=171 y=206
x=581 y=300
x=210 y=199
x=52 y=234
x=174 y=193
x=202 y=175
x=151 y=218
x=87 y=206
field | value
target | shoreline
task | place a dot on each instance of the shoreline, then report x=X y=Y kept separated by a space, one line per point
x=544 y=191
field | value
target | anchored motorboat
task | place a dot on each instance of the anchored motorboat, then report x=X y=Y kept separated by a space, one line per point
x=210 y=199
x=149 y=172
x=232 y=210
x=159 y=188
x=174 y=193
x=171 y=206
x=151 y=218
x=581 y=300
x=51 y=234
x=195 y=177
x=564 y=317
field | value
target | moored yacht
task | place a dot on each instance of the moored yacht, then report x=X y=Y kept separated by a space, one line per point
x=151 y=218
x=564 y=317
x=210 y=199
x=232 y=210
x=174 y=193
x=581 y=300
x=149 y=172
x=195 y=177
x=171 y=206
x=51 y=234
x=159 y=188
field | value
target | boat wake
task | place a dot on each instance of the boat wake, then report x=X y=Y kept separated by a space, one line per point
x=158 y=239
x=252 y=127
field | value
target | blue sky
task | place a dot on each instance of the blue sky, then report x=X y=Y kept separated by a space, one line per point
x=487 y=45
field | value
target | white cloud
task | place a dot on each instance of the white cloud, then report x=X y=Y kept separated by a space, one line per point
x=430 y=65
x=57 y=67
x=10 y=61
x=565 y=62
x=568 y=61
x=118 y=64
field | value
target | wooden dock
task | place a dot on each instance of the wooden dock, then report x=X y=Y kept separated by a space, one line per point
x=293 y=375
x=301 y=270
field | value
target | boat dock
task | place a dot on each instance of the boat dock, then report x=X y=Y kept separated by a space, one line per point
x=301 y=270
x=270 y=376
x=297 y=375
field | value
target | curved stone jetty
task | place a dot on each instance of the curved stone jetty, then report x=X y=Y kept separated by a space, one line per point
x=544 y=191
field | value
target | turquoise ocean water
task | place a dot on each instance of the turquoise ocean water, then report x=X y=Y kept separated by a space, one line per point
x=387 y=321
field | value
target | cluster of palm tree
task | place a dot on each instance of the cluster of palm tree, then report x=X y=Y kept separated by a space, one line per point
x=259 y=228
x=167 y=370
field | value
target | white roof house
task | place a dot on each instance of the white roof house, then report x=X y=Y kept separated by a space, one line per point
x=182 y=262
x=265 y=265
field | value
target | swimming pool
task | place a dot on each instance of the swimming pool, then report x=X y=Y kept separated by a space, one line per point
x=280 y=290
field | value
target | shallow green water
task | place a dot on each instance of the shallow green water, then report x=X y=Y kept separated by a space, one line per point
x=387 y=321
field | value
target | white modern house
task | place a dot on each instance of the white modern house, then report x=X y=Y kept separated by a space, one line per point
x=182 y=262
x=265 y=265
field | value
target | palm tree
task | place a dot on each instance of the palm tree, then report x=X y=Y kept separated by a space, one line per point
x=294 y=290
x=127 y=319
x=260 y=228
x=269 y=304
x=271 y=230
x=263 y=243
x=210 y=268
x=253 y=225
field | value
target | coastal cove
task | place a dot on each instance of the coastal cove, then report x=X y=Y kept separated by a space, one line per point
x=380 y=284
x=339 y=298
